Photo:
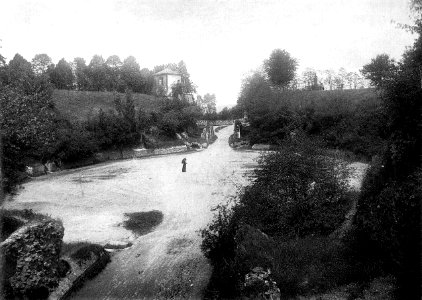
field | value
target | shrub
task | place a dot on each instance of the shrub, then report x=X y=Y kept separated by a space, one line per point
x=311 y=265
x=299 y=191
x=218 y=245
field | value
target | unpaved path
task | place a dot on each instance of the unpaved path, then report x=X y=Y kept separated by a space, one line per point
x=167 y=262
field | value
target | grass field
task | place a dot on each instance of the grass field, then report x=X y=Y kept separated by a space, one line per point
x=329 y=101
x=78 y=105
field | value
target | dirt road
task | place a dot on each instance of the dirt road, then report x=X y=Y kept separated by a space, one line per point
x=167 y=262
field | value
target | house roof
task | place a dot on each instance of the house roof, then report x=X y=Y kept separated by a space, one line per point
x=167 y=71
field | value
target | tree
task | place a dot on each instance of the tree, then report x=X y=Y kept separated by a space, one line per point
x=280 y=68
x=62 y=76
x=19 y=71
x=356 y=80
x=113 y=68
x=131 y=74
x=329 y=78
x=256 y=95
x=310 y=78
x=380 y=71
x=40 y=63
x=187 y=85
x=148 y=77
x=28 y=128
x=97 y=73
x=209 y=100
x=81 y=74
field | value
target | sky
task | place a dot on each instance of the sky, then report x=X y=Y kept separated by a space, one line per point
x=221 y=41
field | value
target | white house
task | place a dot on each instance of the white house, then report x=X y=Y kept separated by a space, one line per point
x=166 y=78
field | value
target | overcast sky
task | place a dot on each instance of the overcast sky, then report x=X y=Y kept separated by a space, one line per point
x=219 y=40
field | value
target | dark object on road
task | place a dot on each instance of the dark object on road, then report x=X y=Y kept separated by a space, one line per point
x=143 y=222
x=184 y=165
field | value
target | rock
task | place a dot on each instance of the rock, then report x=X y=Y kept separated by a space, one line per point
x=51 y=166
x=204 y=145
x=261 y=147
x=112 y=245
x=195 y=145
x=141 y=152
x=35 y=169
x=259 y=285
x=32 y=257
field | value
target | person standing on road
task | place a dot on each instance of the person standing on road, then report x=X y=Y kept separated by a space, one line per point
x=184 y=165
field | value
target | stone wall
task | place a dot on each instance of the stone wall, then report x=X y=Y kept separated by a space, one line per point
x=31 y=258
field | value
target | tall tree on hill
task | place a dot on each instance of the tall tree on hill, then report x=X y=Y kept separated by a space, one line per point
x=40 y=63
x=148 y=77
x=187 y=85
x=280 y=68
x=62 y=76
x=209 y=100
x=80 y=70
x=131 y=74
x=310 y=78
x=381 y=70
x=19 y=71
x=113 y=66
x=329 y=78
x=97 y=73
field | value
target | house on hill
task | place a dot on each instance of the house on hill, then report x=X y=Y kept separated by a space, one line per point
x=166 y=78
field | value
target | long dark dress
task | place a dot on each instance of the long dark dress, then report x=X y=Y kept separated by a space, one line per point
x=184 y=165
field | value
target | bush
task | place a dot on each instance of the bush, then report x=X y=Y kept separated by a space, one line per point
x=311 y=265
x=218 y=245
x=299 y=191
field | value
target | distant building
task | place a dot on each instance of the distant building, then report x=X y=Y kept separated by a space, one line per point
x=166 y=78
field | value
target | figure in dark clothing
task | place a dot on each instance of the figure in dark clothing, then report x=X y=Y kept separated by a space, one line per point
x=184 y=165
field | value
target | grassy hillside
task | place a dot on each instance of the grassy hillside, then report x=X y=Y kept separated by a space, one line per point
x=77 y=105
x=337 y=100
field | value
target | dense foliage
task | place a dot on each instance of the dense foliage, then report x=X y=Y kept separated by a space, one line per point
x=299 y=192
x=351 y=120
x=388 y=215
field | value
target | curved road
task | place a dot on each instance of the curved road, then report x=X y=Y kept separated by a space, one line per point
x=166 y=263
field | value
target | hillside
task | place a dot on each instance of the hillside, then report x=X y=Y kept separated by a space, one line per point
x=353 y=95
x=328 y=100
x=77 y=105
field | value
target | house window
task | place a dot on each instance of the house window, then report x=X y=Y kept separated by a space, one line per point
x=160 y=81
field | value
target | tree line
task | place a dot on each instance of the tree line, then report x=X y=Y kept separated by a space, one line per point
x=111 y=74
